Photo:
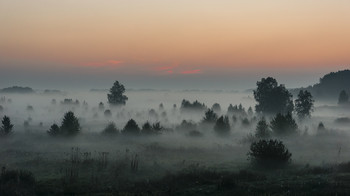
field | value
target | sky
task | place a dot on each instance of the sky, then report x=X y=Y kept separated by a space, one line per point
x=206 y=44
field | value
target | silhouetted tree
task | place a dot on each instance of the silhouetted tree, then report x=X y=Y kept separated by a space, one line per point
x=116 y=94
x=262 y=129
x=70 y=124
x=269 y=153
x=216 y=108
x=343 y=98
x=6 y=127
x=110 y=129
x=131 y=128
x=272 y=98
x=304 y=104
x=54 y=130
x=222 y=126
x=210 y=116
x=284 y=124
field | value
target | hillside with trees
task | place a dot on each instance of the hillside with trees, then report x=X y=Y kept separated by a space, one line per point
x=330 y=85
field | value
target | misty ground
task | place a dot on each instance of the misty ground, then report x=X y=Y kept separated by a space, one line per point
x=172 y=162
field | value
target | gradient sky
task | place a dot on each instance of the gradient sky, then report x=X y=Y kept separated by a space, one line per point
x=164 y=43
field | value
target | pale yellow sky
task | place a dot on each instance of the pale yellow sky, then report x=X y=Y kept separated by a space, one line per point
x=169 y=37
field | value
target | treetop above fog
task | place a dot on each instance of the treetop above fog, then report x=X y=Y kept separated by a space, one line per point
x=272 y=98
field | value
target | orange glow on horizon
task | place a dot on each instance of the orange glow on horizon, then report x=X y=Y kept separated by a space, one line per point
x=155 y=35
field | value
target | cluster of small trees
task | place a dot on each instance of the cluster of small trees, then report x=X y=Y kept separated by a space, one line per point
x=273 y=99
x=132 y=129
x=194 y=106
x=69 y=127
x=280 y=125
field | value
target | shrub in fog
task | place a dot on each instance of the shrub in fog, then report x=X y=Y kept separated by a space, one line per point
x=262 y=129
x=210 y=116
x=195 y=133
x=269 y=153
x=304 y=104
x=284 y=124
x=161 y=107
x=108 y=113
x=222 y=126
x=1 y=108
x=216 y=108
x=6 y=128
x=272 y=98
x=245 y=122
x=110 y=129
x=250 y=111
x=343 y=98
x=116 y=94
x=187 y=126
x=101 y=106
x=131 y=128
x=30 y=108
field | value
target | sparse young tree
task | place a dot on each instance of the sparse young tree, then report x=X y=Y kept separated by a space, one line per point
x=116 y=94
x=70 y=124
x=304 y=104
x=131 y=128
x=284 y=124
x=210 y=117
x=262 y=129
x=7 y=127
x=343 y=98
x=222 y=126
x=272 y=98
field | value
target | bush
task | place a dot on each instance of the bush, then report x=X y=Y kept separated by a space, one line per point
x=269 y=153
x=110 y=129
